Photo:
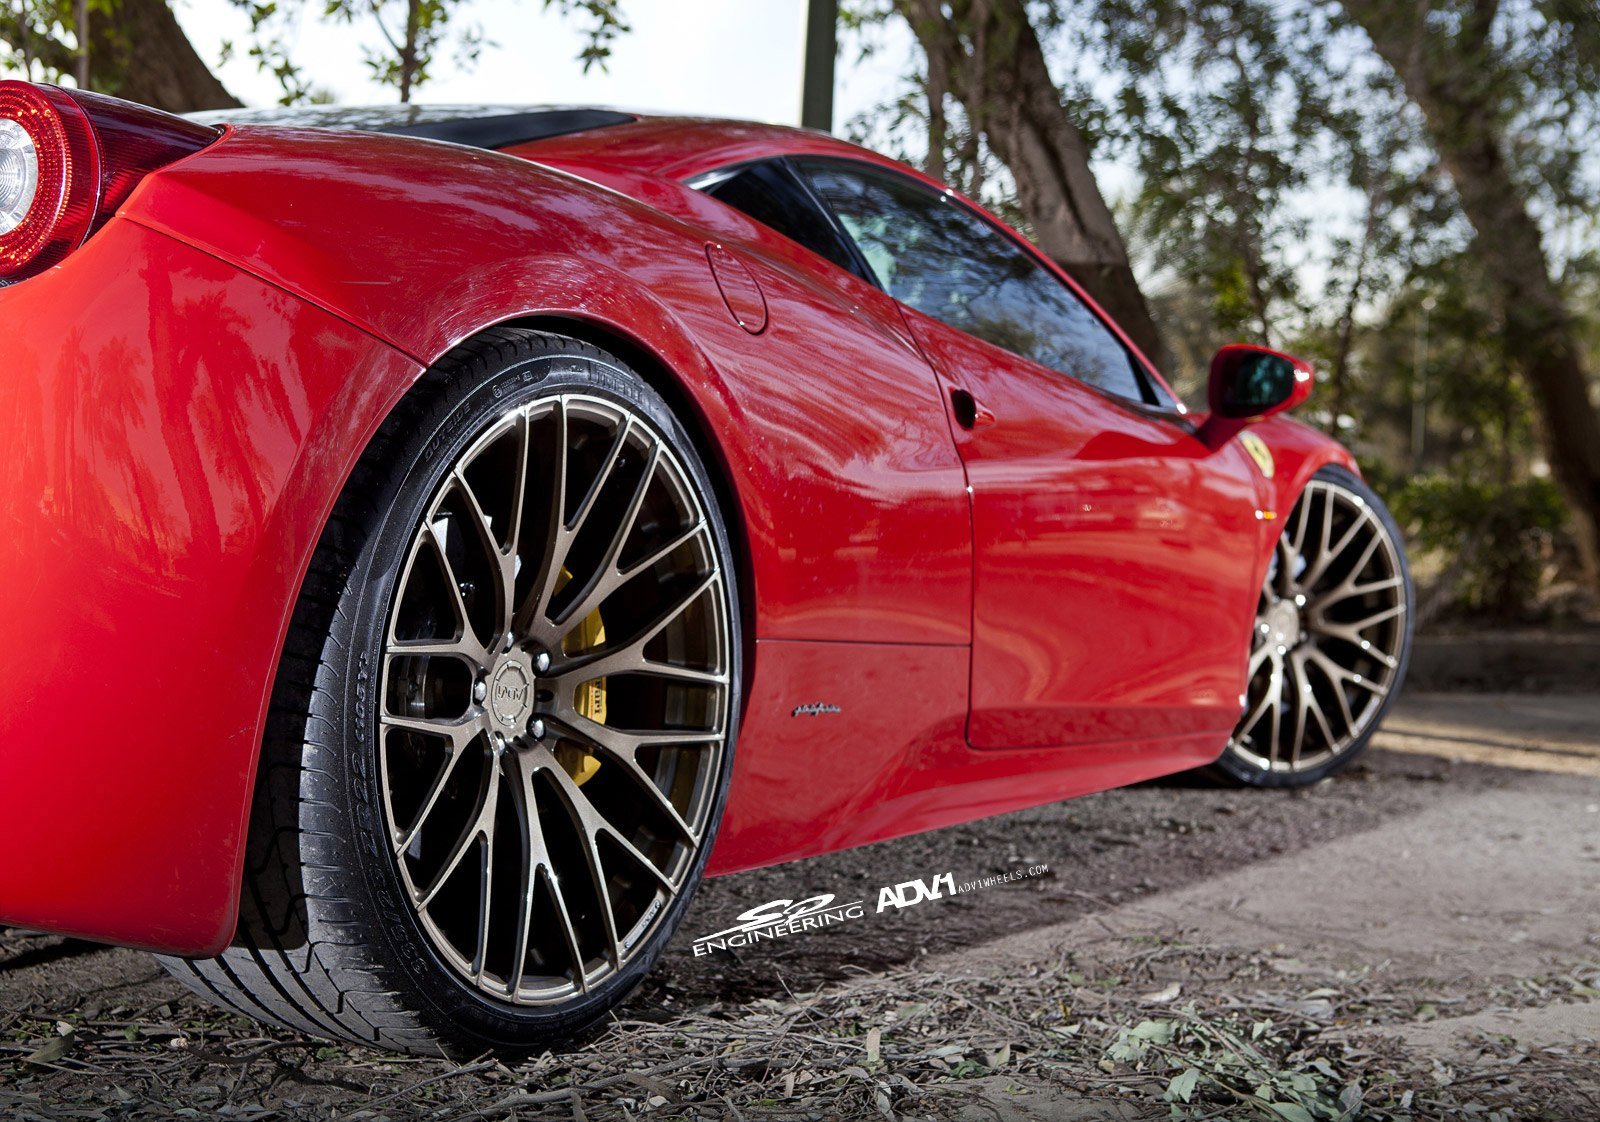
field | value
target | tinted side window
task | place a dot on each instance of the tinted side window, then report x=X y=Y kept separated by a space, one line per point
x=945 y=261
x=769 y=193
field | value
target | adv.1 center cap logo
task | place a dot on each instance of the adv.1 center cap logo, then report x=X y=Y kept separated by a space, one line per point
x=509 y=693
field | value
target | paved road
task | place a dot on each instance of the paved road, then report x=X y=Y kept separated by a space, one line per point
x=1482 y=910
x=1536 y=732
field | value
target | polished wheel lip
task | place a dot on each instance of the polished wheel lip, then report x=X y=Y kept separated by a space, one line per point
x=1319 y=672
x=515 y=740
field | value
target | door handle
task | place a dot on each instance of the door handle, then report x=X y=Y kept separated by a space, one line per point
x=969 y=414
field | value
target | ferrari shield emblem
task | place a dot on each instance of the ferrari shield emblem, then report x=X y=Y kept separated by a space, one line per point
x=1259 y=452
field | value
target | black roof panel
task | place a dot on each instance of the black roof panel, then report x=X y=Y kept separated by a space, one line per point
x=477 y=126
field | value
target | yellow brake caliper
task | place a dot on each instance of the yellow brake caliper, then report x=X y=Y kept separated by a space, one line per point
x=591 y=700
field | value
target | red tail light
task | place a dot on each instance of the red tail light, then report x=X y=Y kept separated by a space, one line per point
x=68 y=160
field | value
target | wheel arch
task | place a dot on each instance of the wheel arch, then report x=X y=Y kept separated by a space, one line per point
x=663 y=376
x=1298 y=453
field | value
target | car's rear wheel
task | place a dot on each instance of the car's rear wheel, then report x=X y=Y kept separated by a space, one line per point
x=1332 y=638
x=501 y=734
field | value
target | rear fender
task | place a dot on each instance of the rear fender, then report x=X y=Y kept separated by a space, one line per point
x=506 y=241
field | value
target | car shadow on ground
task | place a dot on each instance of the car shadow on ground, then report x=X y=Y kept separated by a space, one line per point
x=1102 y=850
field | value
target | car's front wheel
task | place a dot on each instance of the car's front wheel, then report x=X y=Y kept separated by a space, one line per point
x=501 y=734
x=1332 y=638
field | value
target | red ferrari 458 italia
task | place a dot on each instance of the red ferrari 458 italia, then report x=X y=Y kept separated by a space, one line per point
x=438 y=538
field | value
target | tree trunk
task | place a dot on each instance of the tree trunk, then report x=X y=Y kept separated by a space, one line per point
x=1453 y=80
x=1339 y=376
x=141 y=53
x=1007 y=90
x=408 y=53
x=80 y=23
x=938 y=85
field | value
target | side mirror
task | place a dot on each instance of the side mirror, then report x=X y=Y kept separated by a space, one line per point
x=1249 y=384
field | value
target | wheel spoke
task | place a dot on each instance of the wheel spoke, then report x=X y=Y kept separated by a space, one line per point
x=417 y=648
x=462 y=735
x=1337 y=676
x=1351 y=632
x=608 y=576
x=1355 y=570
x=480 y=828
x=1296 y=546
x=1325 y=534
x=1280 y=684
x=465 y=640
x=1261 y=653
x=1300 y=688
x=539 y=868
x=1313 y=702
x=519 y=491
x=567 y=528
x=458 y=730
x=1345 y=590
x=1340 y=674
x=630 y=659
x=557 y=539
x=594 y=824
x=1271 y=697
x=504 y=561
x=1330 y=554
x=486 y=882
x=591 y=497
x=652 y=559
x=621 y=748
x=589 y=825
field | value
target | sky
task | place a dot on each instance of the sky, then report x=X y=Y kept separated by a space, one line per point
x=730 y=58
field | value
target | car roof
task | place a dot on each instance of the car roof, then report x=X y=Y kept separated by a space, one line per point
x=571 y=133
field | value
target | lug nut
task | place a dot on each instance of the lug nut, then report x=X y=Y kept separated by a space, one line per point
x=480 y=690
x=536 y=729
x=541 y=662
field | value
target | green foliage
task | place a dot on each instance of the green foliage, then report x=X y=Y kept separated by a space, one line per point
x=38 y=40
x=1287 y=189
x=924 y=125
x=606 y=26
x=1217 y=131
x=409 y=33
x=1205 y=1059
x=1498 y=536
x=410 y=37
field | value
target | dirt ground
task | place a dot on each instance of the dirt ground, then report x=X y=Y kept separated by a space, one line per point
x=1417 y=938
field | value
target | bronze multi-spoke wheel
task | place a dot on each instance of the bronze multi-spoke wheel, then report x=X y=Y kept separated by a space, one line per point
x=1331 y=640
x=554 y=698
x=508 y=734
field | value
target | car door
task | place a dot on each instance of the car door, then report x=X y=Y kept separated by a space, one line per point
x=866 y=501
x=1114 y=585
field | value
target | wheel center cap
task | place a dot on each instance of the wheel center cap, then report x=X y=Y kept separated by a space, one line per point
x=511 y=693
x=1283 y=624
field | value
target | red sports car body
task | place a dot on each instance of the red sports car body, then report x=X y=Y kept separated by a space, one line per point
x=968 y=583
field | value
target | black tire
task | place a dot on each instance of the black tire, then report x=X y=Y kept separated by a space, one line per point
x=1257 y=758
x=331 y=940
